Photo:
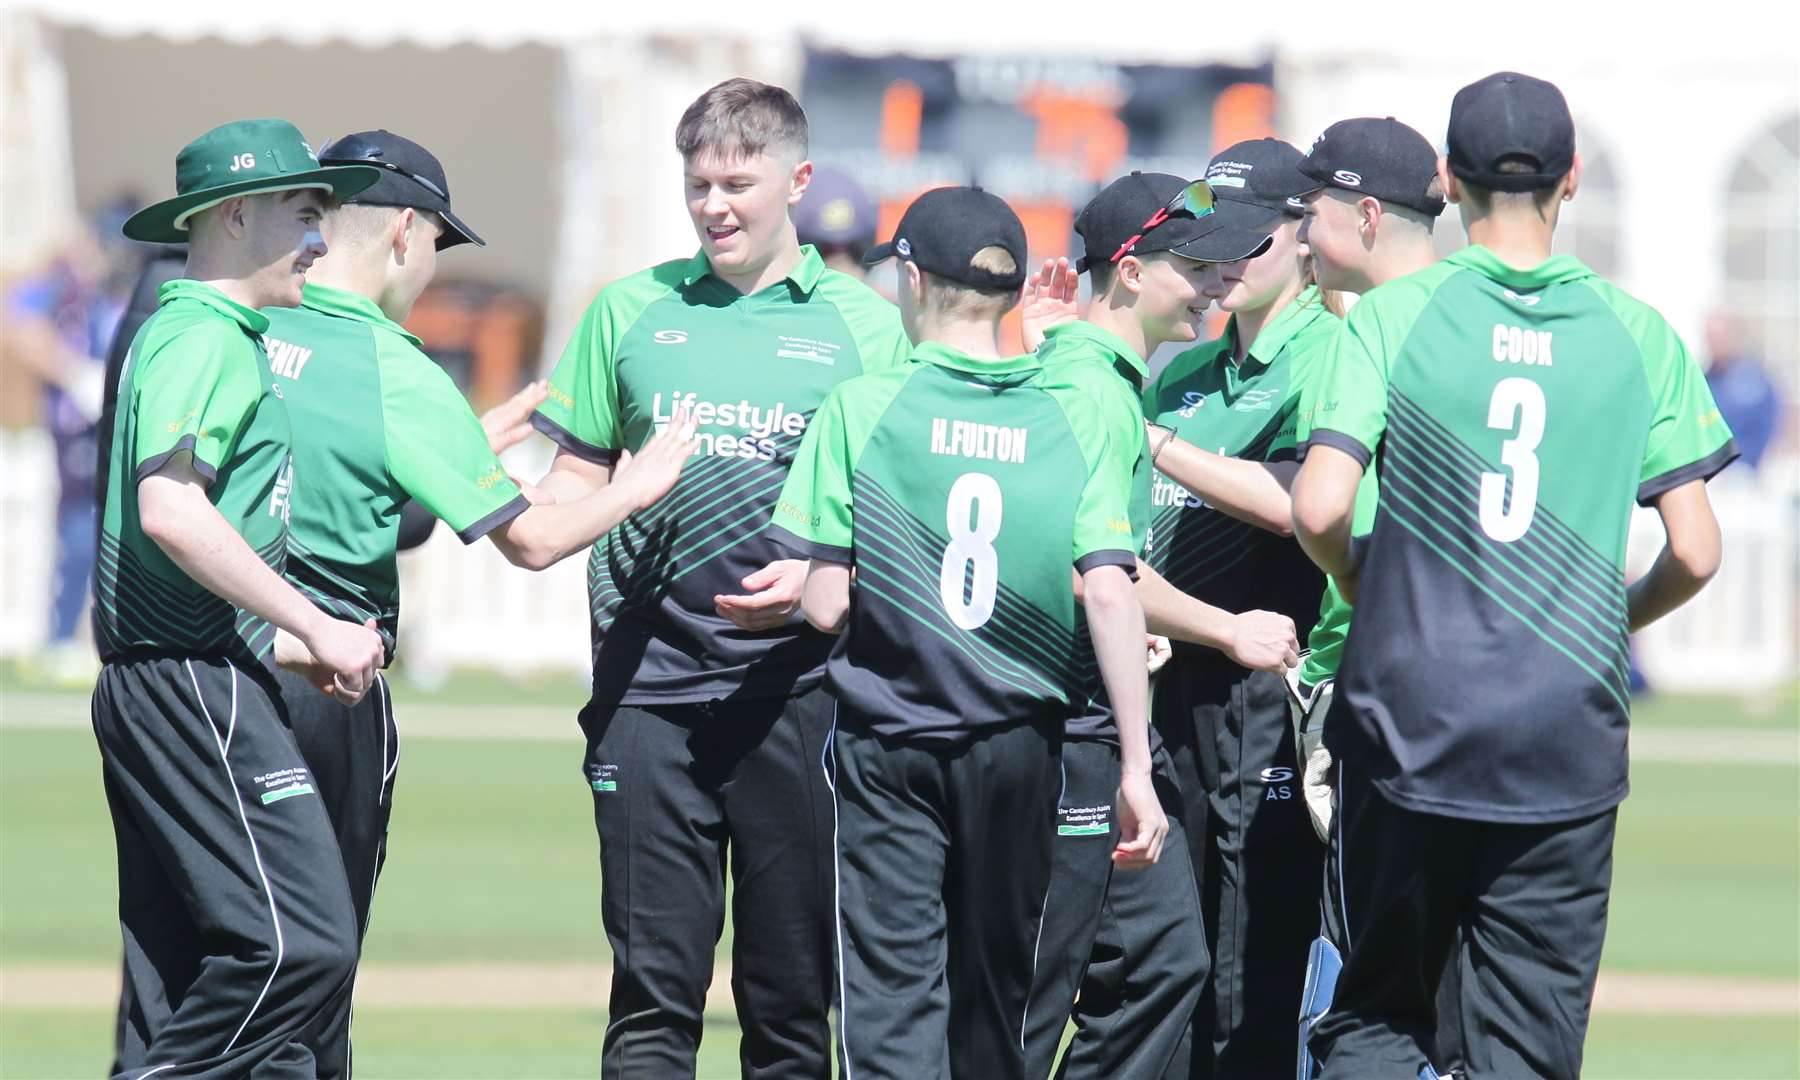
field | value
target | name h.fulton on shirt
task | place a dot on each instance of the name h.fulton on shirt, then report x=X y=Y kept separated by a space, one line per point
x=988 y=442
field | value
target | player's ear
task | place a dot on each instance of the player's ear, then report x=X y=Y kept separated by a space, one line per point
x=1129 y=273
x=1448 y=181
x=400 y=233
x=234 y=214
x=799 y=181
x=1573 y=180
x=913 y=282
x=1368 y=209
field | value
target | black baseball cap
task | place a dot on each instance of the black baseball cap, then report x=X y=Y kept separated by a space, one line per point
x=1111 y=225
x=1379 y=157
x=943 y=229
x=1275 y=167
x=411 y=176
x=1510 y=117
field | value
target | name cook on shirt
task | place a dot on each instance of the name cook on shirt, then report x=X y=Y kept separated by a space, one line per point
x=759 y=424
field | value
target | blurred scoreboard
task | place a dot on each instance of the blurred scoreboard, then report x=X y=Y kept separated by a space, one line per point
x=1045 y=133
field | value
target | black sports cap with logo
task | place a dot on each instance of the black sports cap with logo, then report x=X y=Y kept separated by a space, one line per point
x=1143 y=213
x=943 y=229
x=1274 y=164
x=1375 y=156
x=1512 y=119
x=411 y=176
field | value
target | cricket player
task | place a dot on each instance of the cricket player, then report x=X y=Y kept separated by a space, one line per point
x=959 y=490
x=1223 y=528
x=1371 y=195
x=238 y=926
x=707 y=723
x=1131 y=946
x=1512 y=404
x=376 y=424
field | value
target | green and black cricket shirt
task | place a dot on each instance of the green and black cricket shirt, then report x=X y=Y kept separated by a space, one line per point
x=751 y=370
x=962 y=491
x=1099 y=365
x=1244 y=409
x=194 y=381
x=375 y=422
x=1510 y=418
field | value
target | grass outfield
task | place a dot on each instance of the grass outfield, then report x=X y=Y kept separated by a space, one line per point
x=439 y=1045
x=494 y=861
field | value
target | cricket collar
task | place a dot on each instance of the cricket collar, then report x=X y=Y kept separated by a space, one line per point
x=200 y=292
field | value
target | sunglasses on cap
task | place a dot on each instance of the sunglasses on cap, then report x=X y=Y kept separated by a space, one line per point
x=354 y=150
x=1195 y=201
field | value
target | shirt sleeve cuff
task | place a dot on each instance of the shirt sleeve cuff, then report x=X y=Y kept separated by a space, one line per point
x=1337 y=440
x=488 y=524
x=186 y=443
x=1704 y=469
x=1108 y=557
x=560 y=435
x=811 y=549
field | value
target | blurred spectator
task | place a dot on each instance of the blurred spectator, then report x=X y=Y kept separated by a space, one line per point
x=61 y=323
x=838 y=217
x=1741 y=386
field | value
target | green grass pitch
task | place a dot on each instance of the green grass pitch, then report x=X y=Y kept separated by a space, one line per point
x=493 y=860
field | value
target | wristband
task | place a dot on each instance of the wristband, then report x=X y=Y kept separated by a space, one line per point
x=1168 y=434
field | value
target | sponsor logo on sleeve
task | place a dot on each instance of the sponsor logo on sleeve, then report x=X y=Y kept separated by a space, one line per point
x=493 y=478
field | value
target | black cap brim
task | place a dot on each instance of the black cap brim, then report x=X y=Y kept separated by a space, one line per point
x=878 y=254
x=1229 y=242
x=457 y=232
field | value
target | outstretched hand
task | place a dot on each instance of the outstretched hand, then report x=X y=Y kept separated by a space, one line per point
x=650 y=473
x=1049 y=299
x=509 y=423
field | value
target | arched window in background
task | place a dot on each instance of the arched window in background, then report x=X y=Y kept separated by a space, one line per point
x=1762 y=249
x=1589 y=226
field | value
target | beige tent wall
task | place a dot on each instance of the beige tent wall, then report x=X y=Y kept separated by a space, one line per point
x=489 y=115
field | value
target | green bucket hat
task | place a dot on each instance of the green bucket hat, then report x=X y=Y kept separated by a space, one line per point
x=243 y=157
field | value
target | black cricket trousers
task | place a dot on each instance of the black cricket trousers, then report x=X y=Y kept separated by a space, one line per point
x=353 y=752
x=681 y=793
x=1258 y=862
x=1516 y=913
x=943 y=864
x=239 y=929
x=1123 y=950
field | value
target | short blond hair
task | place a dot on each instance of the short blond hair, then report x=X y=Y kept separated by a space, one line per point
x=956 y=300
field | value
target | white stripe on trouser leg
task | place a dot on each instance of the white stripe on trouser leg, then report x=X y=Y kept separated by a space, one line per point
x=387 y=772
x=828 y=766
x=255 y=855
x=1063 y=767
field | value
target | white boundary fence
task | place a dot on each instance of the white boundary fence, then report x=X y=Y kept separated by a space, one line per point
x=467 y=607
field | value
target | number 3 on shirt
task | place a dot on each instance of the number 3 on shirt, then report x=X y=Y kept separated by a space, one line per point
x=973 y=519
x=1507 y=521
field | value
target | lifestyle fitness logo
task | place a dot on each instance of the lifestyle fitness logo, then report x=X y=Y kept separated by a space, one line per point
x=740 y=429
